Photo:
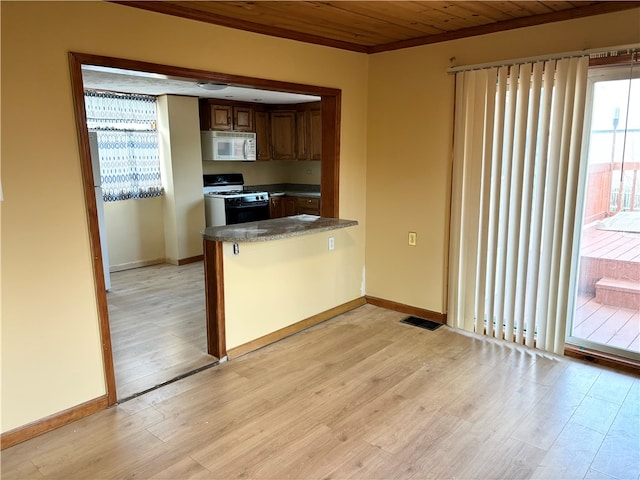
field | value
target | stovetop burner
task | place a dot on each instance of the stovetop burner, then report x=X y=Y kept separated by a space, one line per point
x=229 y=185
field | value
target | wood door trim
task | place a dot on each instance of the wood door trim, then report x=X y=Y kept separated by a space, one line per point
x=330 y=164
x=94 y=232
x=204 y=75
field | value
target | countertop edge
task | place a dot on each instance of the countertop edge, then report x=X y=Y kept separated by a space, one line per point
x=275 y=229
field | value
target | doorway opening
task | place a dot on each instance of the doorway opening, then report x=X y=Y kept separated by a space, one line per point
x=330 y=100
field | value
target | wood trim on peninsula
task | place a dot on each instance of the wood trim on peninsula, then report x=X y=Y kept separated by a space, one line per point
x=214 y=299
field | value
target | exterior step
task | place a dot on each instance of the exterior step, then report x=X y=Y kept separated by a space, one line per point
x=619 y=293
x=592 y=269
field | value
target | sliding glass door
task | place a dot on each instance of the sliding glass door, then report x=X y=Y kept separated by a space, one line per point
x=606 y=313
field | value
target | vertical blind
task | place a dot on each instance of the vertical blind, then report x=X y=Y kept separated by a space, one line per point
x=517 y=138
x=127 y=144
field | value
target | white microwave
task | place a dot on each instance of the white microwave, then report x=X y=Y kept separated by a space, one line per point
x=228 y=146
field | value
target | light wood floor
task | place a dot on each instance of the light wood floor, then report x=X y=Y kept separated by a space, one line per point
x=158 y=329
x=361 y=396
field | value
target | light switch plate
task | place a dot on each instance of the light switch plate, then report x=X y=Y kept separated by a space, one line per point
x=413 y=239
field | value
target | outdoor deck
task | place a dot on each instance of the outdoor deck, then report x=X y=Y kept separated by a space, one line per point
x=608 y=309
x=614 y=326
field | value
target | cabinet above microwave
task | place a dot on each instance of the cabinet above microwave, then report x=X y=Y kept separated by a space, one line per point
x=216 y=115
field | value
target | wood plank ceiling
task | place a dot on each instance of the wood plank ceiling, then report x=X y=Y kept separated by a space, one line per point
x=377 y=26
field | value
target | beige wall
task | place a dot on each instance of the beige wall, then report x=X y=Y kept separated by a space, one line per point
x=263 y=173
x=135 y=232
x=409 y=146
x=154 y=230
x=51 y=355
x=181 y=162
x=268 y=286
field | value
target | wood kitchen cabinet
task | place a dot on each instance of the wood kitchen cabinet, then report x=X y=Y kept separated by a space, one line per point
x=263 y=135
x=293 y=205
x=289 y=205
x=283 y=139
x=302 y=135
x=276 y=207
x=306 y=205
x=309 y=133
x=315 y=134
x=215 y=117
x=283 y=132
x=219 y=116
x=243 y=119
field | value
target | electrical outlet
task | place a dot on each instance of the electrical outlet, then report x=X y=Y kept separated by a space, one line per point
x=413 y=239
x=331 y=243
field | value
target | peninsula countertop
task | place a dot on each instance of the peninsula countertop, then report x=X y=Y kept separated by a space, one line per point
x=275 y=229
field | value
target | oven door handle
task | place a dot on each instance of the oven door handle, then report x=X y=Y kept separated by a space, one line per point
x=249 y=205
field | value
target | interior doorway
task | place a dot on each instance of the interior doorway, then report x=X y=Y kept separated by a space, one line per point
x=157 y=316
x=329 y=178
x=156 y=302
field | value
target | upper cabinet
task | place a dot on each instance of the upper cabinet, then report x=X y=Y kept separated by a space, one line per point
x=263 y=135
x=283 y=132
x=283 y=139
x=243 y=119
x=315 y=134
x=215 y=115
x=309 y=133
x=221 y=117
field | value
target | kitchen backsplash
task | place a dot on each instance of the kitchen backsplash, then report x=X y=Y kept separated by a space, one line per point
x=265 y=173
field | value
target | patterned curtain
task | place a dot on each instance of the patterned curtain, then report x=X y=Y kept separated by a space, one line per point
x=127 y=144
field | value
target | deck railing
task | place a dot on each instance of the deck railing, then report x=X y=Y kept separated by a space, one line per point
x=610 y=190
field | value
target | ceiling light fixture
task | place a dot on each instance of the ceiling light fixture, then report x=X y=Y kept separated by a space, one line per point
x=212 y=85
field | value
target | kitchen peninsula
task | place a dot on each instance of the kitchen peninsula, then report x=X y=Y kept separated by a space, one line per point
x=269 y=279
x=275 y=229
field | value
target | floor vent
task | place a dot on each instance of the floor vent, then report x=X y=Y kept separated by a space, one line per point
x=421 y=322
